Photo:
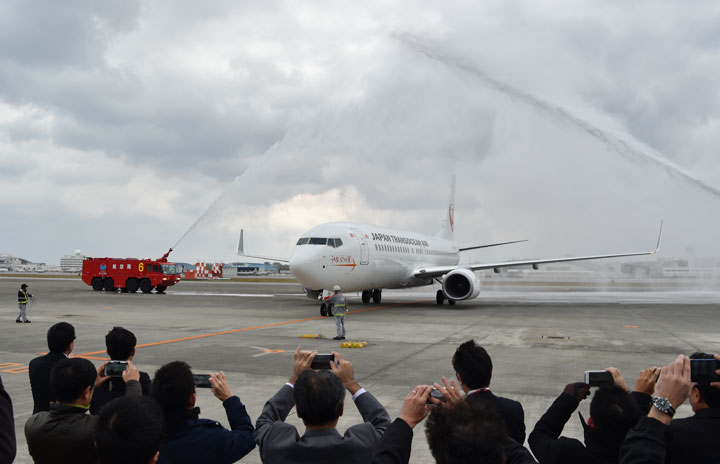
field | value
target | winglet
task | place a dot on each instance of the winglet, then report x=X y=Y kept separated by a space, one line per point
x=657 y=248
x=241 y=245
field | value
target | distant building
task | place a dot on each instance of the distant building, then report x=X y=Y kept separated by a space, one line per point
x=72 y=263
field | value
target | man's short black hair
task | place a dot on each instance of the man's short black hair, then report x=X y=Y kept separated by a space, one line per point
x=130 y=430
x=319 y=397
x=60 y=336
x=466 y=432
x=709 y=394
x=614 y=412
x=120 y=343
x=70 y=377
x=473 y=364
x=173 y=386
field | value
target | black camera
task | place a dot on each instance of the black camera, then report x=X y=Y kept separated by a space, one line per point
x=202 y=380
x=703 y=370
x=322 y=361
x=598 y=378
x=115 y=368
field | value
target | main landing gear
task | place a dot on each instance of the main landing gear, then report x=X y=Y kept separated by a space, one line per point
x=440 y=298
x=375 y=294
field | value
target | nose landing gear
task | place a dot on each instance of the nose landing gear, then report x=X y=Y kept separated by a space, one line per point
x=375 y=294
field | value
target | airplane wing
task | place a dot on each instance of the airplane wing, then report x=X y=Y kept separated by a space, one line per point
x=490 y=245
x=438 y=271
x=241 y=252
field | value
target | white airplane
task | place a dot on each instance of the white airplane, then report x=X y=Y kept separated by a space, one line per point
x=369 y=258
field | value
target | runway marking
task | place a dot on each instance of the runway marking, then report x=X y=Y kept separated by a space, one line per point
x=631 y=326
x=257 y=327
x=13 y=368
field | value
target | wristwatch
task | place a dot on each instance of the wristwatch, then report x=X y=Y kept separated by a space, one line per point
x=663 y=405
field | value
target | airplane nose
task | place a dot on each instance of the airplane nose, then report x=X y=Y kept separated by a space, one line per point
x=304 y=264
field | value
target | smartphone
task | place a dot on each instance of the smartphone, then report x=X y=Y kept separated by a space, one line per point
x=115 y=368
x=435 y=393
x=202 y=380
x=322 y=361
x=703 y=370
x=598 y=378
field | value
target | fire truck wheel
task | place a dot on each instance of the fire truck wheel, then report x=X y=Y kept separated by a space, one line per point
x=146 y=286
x=132 y=285
x=161 y=288
x=97 y=284
x=109 y=285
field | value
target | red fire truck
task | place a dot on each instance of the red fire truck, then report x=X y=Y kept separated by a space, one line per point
x=130 y=274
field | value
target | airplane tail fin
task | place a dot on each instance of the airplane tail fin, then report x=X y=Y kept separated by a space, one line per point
x=447 y=231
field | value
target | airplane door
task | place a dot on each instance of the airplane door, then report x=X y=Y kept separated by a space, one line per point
x=364 y=251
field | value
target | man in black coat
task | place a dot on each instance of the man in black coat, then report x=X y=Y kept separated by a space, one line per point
x=60 y=340
x=695 y=438
x=120 y=344
x=613 y=412
x=457 y=431
x=473 y=368
x=7 y=428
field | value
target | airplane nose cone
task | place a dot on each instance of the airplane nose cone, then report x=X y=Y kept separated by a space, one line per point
x=305 y=266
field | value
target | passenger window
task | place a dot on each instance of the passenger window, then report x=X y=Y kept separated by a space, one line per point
x=114 y=266
x=122 y=266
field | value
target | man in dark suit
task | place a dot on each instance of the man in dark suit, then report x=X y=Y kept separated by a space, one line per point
x=473 y=368
x=695 y=438
x=120 y=344
x=7 y=428
x=60 y=340
x=457 y=431
x=318 y=396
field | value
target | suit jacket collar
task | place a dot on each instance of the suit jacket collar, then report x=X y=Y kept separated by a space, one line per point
x=707 y=413
x=321 y=433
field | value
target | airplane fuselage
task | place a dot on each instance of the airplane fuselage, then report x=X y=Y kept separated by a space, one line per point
x=362 y=256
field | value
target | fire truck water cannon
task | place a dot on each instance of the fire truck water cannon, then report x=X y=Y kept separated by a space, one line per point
x=131 y=274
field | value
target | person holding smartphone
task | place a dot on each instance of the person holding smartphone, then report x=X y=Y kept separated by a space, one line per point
x=189 y=438
x=120 y=344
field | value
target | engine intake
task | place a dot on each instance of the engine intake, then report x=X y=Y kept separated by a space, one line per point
x=461 y=284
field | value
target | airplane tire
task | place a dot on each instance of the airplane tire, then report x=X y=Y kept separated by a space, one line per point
x=451 y=302
x=132 y=285
x=323 y=310
x=440 y=297
x=97 y=284
x=377 y=296
x=366 y=294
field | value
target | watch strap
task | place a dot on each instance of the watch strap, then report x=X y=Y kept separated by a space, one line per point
x=663 y=405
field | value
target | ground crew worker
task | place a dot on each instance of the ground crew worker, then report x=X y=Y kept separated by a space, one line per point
x=23 y=300
x=339 y=307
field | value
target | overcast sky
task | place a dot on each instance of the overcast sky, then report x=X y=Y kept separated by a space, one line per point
x=575 y=124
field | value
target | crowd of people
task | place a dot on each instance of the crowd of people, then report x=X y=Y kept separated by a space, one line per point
x=82 y=415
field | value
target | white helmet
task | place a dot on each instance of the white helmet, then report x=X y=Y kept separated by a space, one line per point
x=336 y=288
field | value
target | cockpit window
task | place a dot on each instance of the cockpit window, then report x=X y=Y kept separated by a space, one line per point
x=303 y=241
x=338 y=243
x=318 y=241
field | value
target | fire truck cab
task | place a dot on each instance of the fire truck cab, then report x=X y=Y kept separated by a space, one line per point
x=130 y=274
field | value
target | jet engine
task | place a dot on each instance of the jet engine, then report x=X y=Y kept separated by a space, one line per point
x=461 y=284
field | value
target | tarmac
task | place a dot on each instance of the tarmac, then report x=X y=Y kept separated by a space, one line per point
x=540 y=338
